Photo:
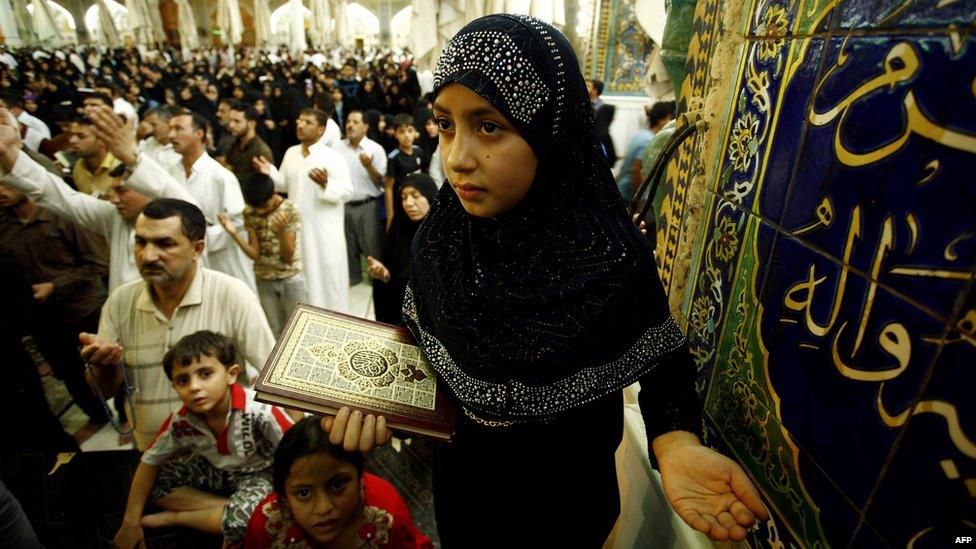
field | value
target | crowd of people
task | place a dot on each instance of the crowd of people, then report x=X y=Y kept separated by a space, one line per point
x=161 y=215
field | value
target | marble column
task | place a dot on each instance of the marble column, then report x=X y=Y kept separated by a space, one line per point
x=77 y=8
x=385 y=14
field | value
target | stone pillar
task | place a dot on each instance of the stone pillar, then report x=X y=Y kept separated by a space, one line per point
x=8 y=25
x=77 y=8
x=385 y=14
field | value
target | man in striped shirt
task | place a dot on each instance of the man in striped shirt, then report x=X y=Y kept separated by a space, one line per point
x=176 y=297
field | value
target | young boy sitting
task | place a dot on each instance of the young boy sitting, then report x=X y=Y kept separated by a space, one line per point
x=230 y=440
x=405 y=160
x=272 y=225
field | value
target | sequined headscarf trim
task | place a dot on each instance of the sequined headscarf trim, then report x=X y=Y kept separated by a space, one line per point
x=557 y=302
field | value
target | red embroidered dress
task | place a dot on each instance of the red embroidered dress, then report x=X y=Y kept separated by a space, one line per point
x=386 y=522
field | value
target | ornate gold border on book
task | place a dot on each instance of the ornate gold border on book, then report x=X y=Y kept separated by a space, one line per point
x=369 y=363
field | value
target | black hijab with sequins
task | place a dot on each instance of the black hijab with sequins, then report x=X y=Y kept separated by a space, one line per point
x=557 y=302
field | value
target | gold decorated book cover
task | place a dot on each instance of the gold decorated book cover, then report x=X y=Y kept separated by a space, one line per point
x=324 y=360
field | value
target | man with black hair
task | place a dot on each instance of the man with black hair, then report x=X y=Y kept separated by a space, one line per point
x=93 y=169
x=119 y=104
x=93 y=99
x=367 y=164
x=242 y=124
x=595 y=89
x=631 y=172
x=317 y=180
x=112 y=218
x=272 y=225
x=64 y=264
x=176 y=297
x=36 y=131
x=157 y=145
x=213 y=187
x=224 y=138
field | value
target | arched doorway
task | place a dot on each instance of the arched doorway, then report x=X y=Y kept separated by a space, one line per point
x=62 y=19
x=118 y=12
x=400 y=27
x=361 y=23
x=281 y=22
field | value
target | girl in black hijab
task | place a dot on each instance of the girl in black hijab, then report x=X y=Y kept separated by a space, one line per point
x=537 y=301
x=416 y=193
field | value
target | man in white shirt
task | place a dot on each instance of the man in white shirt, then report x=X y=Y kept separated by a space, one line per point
x=157 y=145
x=112 y=218
x=317 y=181
x=367 y=164
x=119 y=103
x=37 y=130
x=215 y=190
x=176 y=297
x=7 y=59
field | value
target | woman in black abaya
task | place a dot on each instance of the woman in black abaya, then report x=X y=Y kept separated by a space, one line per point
x=391 y=271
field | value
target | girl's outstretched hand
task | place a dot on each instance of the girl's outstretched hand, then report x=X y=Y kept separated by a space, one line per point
x=355 y=432
x=709 y=491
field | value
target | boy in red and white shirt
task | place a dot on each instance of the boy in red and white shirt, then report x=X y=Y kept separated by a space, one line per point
x=209 y=465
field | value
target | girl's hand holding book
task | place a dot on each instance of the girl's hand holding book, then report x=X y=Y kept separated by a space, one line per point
x=355 y=432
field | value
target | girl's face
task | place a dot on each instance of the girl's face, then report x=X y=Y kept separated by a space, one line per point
x=325 y=496
x=431 y=127
x=488 y=163
x=414 y=203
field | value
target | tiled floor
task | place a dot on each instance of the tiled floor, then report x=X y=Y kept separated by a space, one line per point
x=360 y=304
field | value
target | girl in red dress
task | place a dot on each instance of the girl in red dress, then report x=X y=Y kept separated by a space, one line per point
x=323 y=498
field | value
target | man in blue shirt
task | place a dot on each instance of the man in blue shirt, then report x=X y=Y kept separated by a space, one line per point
x=631 y=170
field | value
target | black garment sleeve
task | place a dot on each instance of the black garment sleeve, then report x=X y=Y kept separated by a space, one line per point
x=668 y=400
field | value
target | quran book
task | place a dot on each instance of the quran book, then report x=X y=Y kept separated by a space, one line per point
x=325 y=360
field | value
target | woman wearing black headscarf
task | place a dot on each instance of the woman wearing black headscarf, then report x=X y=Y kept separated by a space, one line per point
x=368 y=96
x=602 y=120
x=375 y=132
x=416 y=193
x=537 y=301
x=426 y=126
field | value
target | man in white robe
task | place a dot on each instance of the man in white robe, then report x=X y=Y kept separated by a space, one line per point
x=216 y=191
x=317 y=181
x=157 y=145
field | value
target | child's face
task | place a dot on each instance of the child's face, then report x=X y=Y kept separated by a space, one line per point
x=488 y=163
x=325 y=495
x=204 y=383
x=405 y=135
